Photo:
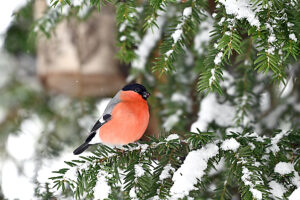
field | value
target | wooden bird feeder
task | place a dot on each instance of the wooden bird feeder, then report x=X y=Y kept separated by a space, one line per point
x=79 y=58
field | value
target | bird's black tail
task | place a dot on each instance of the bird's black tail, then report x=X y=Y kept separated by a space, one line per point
x=81 y=148
x=85 y=145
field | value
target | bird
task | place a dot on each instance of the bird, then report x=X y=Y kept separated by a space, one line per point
x=124 y=120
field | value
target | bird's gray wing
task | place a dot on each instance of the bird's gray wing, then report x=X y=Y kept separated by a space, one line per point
x=107 y=112
x=113 y=102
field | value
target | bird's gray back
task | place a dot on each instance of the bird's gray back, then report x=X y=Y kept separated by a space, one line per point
x=113 y=102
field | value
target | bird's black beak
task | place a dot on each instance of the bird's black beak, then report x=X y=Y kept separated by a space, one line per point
x=145 y=95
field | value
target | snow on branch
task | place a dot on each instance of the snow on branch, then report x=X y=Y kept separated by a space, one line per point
x=242 y=9
x=192 y=170
x=230 y=144
x=274 y=142
x=102 y=189
x=284 y=168
x=295 y=195
x=156 y=169
x=247 y=178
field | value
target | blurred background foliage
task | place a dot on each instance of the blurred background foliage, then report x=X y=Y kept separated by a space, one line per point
x=255 y=102
x=18 y=38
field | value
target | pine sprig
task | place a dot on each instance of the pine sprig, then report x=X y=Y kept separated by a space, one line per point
x=148 y=170
x=127 y=16
x=177 y=36
x=152 y=12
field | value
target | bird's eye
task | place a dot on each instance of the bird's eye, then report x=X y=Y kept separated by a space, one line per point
x=137 y=90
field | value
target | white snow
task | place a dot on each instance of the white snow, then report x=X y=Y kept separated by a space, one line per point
x=189 y=59
x=295 y=195
x=71 y=174
x=102 y=189
x=265 y=101
x=166 y=172
x=233 y=129
x=241 y=9
x=179 y=97
x=286 y=89
x=271 y=121
x=172 y=120
x=228 y=83
x=86 y=122
x=122 y=38
x=83 y=10
x=123 y=26
x=274 y=141
x=176 y=35
x=202 y=38
x=211 y=110
x=135 y=36
x=256 y=193
x=143 y=147
x=218 y=167
x=284 y=168
x=296 y=179
x=139 y=171
x=30 y=130
x=252 y=146
x=178 y=32
x=172 y=137
x=187 y=11
x=246 y=178
x=289 y=24
x=192 y=170
x=218 y=58
x=66 y=9
x=153 y=165
x=271 y=50
x=11 y=179
x=221 y=21
x=182 y=99
x=213 y=77
x=168 y=53
x=132 y=193
x=277 y=190
x=139 y=9
x=272 y=38
x=84 y=166
x=138 y=146
x=257 y=164
x=77 y=2
x=132 y=15
x=212 y=187
x=228 y=33
x=230 y=144
x=293 y=37
x=46 y=169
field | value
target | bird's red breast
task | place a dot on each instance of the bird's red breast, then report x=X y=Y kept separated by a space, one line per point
x=129 y=120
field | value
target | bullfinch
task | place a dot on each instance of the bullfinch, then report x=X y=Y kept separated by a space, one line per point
x=124 y=120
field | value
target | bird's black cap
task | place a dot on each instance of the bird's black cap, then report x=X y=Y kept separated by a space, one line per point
x=138 y=88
